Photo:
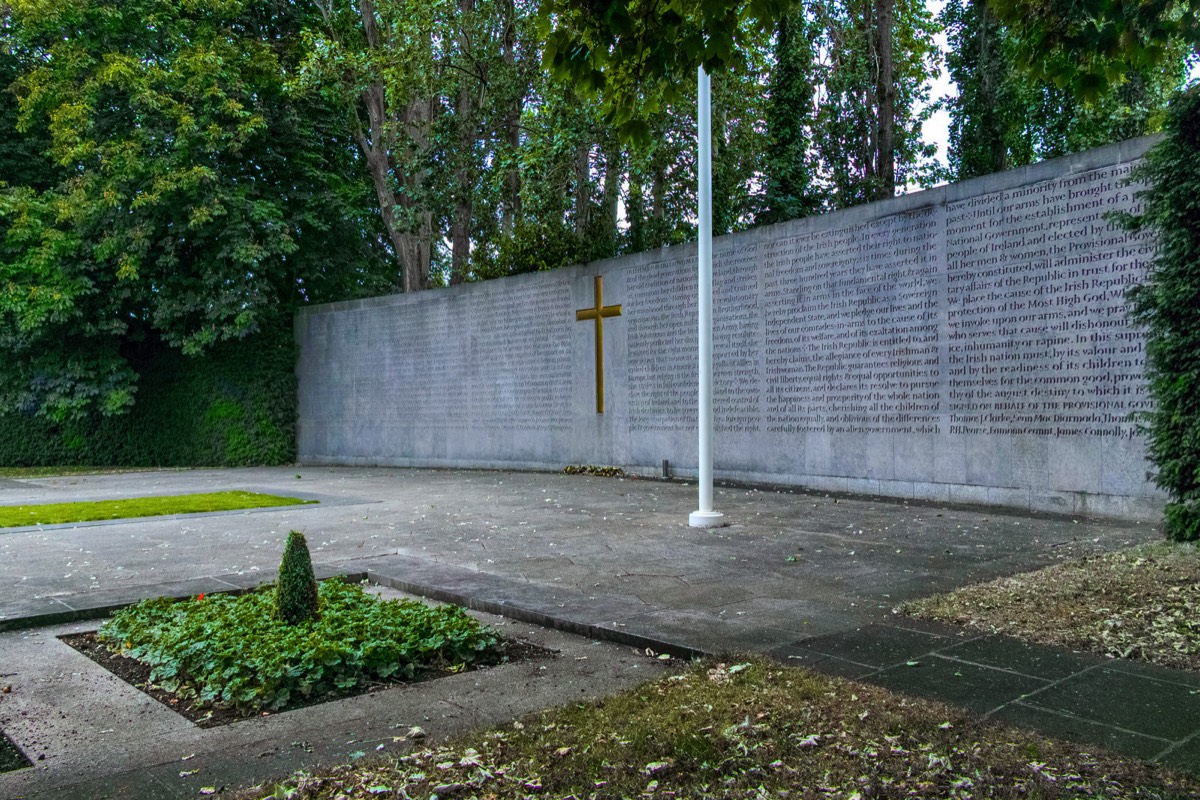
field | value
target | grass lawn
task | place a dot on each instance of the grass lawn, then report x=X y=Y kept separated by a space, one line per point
x=1142 y=603
x=53 y=513
x=752 y=730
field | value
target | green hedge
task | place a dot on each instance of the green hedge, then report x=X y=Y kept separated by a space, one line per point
x=1168 y=304
x=234 y=406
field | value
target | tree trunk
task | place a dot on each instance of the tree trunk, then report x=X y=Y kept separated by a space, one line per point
x=583 y=188
x=510 y=133
x=612 y=189
x=460 y=227
x=658 y=229
x=460 y=237
x=885 y=94
x=989 y=66
x=635 y=212
x=377 y=141
x=417 y=119
x=658 y=193
x=378 y=166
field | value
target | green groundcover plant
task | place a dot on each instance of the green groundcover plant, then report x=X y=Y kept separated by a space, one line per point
x=235 y=652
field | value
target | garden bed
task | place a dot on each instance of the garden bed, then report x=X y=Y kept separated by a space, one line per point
x=220 y=659
x=11 y=756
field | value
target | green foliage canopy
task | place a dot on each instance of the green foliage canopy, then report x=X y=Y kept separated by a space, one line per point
x=186 y=180
x=635 y=54
x=1087 y=46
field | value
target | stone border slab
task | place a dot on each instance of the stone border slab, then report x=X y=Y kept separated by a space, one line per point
x=85 y=606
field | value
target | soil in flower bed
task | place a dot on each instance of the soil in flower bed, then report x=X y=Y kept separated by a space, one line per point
x=137 y=674
x=10 y=756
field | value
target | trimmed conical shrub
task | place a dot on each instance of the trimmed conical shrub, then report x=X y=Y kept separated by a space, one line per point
x=296 y=596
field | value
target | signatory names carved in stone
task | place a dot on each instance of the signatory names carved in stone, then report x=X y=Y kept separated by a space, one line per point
x=598 y=313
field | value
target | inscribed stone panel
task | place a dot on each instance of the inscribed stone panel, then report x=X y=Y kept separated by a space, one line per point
x=660 y=312
x=737 y=338
x=851 y=328
x=521 y=376
x=1039 y=341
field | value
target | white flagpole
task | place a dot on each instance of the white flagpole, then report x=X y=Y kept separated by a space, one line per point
x=705 y=517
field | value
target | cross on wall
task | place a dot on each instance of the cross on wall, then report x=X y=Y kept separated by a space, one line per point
x=598 y=312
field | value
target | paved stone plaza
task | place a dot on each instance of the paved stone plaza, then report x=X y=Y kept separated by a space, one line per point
x=808 y=578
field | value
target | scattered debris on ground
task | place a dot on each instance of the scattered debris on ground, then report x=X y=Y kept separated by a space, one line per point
x=1142 y=603
x=751 y=729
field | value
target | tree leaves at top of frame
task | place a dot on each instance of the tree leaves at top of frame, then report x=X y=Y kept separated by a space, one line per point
x=636 y=54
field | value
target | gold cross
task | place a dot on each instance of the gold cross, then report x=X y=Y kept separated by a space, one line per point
x=598 y=313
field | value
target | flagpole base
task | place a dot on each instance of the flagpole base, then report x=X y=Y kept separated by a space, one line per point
x=706 y=519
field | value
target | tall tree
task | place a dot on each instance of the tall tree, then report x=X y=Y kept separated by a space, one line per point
x=434 y=93
x=987 y=117
x=882 y=21
x=378 y=59
x=466 y=136
x=867 y=131
x=790 y=190
x=189 y=181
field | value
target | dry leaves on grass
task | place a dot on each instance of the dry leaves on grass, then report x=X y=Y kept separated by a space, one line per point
x=1142 y=604
x=763 y=731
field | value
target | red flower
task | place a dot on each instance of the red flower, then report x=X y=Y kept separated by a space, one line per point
x=200 y=596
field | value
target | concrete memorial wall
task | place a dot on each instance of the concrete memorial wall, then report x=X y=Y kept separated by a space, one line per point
x=963 y=344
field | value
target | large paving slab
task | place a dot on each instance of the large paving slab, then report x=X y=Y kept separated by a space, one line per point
x=1140 y=710
x=790 y=563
